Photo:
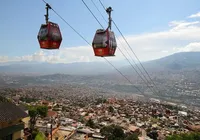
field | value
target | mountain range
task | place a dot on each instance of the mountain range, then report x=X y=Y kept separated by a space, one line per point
x=178 y=61
x=43 y=68
x=176 y=76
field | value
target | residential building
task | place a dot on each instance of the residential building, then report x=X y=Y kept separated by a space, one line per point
x=11 y=124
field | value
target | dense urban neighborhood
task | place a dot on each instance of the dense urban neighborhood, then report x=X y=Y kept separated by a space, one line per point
x=75 y=112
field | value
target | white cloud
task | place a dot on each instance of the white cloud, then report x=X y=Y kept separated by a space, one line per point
x=195 y=15
x=4 y=58
x=164 y=51
x=192 y=47
x=181 y=36
x=178 y=25
x=63 y=55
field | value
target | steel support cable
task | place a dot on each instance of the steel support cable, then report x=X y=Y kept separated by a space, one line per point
x=131 y=49
x=123 y=75
x=92 y=13
x=72 y=27
x=91 y=46
x=44 y=1
x=125 y=48
x=102 y=5
x=141 y=73
x=100 y=25
x=122 y=52
x=99 y=11
x=136 y=70
x=68 y=24
x=135 y=55
x=133 y=61
x=139 y=61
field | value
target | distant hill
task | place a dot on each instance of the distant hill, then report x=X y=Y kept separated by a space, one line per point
x=39 y=68
x=177 y=61
x=183 y=60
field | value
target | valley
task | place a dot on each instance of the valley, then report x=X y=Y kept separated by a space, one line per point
x=176 y=78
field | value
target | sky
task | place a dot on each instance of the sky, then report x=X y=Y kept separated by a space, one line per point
x=154 y=29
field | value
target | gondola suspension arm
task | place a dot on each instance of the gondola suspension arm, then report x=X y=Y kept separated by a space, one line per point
x=109 y=10
x=47 y=12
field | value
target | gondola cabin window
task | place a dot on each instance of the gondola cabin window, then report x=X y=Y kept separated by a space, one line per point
x=100 y=39
x=43 y=33
x=55 y=33
x=112 y=40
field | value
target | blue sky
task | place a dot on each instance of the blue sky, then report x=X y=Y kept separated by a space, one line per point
x=21 y=20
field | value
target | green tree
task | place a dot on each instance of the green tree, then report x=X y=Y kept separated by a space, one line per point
x=132 y=137
x=100 y=100
x=185 y=136
x=81 y=119
x=111 y=109
x=90 y=123
x=27 y=100
x=34 y=133
x=113 y=132
x=153 y=134
x=40 y=136
x=3 y=99
x=35 y=112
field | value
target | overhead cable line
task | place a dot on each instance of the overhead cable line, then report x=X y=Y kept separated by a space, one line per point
x=123 y=46
x=154 y=91
x=91 y=46
x=123 y=53
x=136 y=70
x=168 y=91
x=131 y=50
x=123 y=75
x=134 y=53
x=68 y=23
x=99 y=11
x=102 y=5
x=92 y=13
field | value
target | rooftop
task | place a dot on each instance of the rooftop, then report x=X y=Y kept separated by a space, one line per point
x=10 y=112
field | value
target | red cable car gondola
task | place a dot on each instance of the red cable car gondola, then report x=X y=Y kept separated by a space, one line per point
x=104 y=43
x=49 y=35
